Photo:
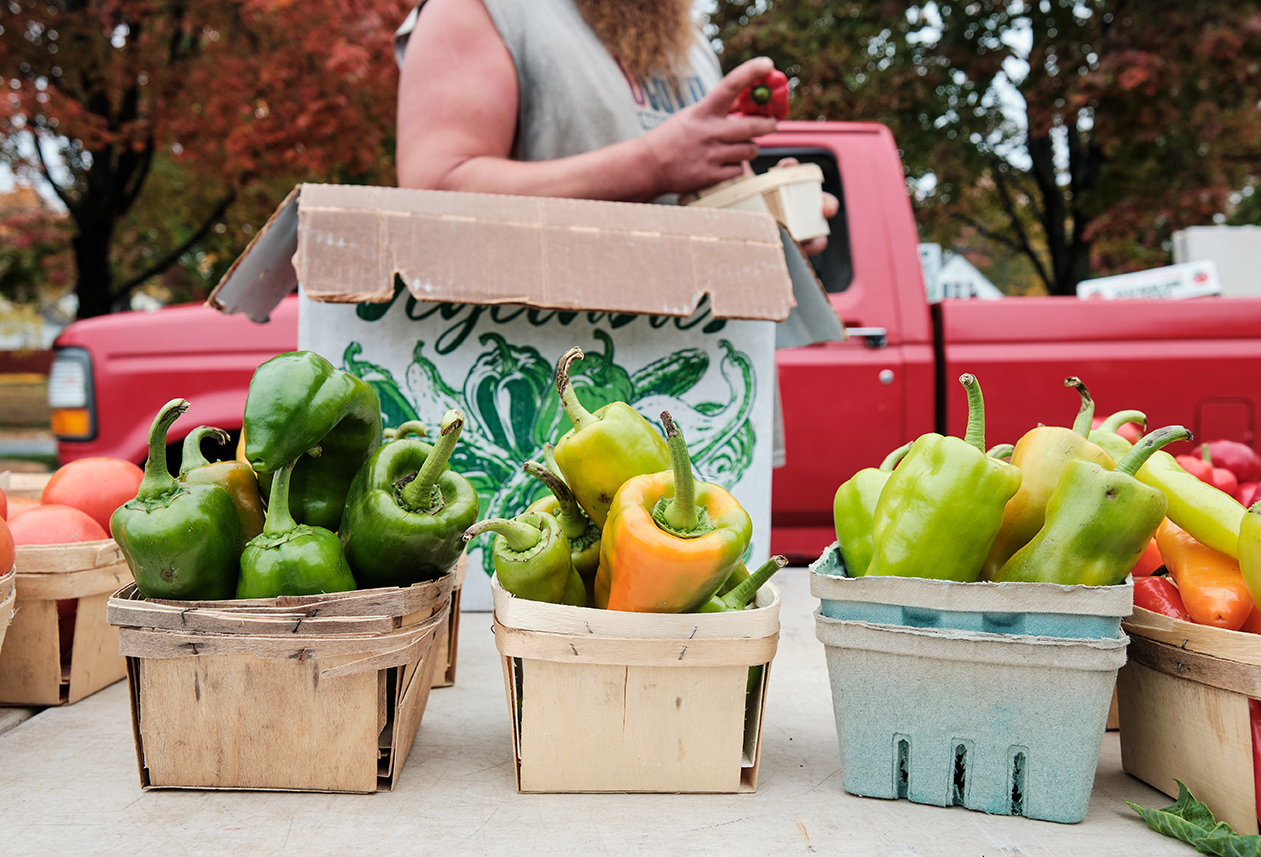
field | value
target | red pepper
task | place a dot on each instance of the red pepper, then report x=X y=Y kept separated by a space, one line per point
x=1160 y=596
x=1248 y=493
x=1239 y=458
x=1148 y=561
x=767 y=96
x=1197 y=467
x=1203 y=469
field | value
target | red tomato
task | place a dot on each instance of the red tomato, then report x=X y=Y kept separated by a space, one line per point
x=55 y=524
x=18 y=505
x=7 y=552
x=97 y=486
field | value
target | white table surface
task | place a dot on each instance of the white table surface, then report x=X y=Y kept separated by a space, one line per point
x=69 y=785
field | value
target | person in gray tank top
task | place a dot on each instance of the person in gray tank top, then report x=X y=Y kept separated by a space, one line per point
x=523 y=97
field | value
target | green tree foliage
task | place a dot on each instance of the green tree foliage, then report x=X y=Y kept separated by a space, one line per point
x=1077 y=133
x=168 y=128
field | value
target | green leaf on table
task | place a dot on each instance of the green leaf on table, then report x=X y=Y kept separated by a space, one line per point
x=1192 y=821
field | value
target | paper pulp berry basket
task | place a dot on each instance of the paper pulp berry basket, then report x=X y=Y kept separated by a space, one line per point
x=59 y=647
x=1183 y=700
x=608 y=701
x=991 y=696
x=305 y=693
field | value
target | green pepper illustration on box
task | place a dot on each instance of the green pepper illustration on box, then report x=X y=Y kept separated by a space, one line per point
x=512 y=408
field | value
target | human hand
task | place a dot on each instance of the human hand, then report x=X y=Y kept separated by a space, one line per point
x=705 y=143
x=831 y=205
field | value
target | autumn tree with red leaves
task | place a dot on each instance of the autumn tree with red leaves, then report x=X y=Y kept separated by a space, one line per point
x=168 y=125
x=1075 y=133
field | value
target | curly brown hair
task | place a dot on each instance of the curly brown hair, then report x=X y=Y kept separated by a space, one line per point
x=645 y=36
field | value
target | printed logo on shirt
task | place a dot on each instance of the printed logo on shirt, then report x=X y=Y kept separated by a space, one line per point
x=661 y=97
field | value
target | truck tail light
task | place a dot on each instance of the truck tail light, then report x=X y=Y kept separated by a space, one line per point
x=71 y=397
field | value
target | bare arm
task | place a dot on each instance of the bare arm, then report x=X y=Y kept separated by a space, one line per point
x=457 y=117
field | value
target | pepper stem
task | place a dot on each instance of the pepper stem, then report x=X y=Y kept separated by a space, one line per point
x=191 y=456
x=737 y=598
x=680 y=513
x=892 y=459
x=572 y=519
x=279 y=520
x=517 y=532
x=1205 y=454
x=976 y=412
x=1141 y=451
x=158 y=481
x=549 y=458
x=1001 y=451
x=1086 y=414
x=411 y=428
x=578 y=415
x=760 y=94
x=1120 y=418
x=418 y=495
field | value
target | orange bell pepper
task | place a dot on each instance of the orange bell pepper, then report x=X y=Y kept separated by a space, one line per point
x=669 y=541
x=1210 y=583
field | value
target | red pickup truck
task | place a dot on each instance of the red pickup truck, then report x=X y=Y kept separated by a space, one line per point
x=1195 y=362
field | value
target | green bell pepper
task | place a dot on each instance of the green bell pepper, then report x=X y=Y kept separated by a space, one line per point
x=298 y=401
x=289 y=558
x=1098 y=521
x=531 y=558
x=854 y=511
x=181 y=540
x=941 y=509
x=406 y=511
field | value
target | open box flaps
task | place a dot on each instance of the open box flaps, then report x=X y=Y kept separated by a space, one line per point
x=445 y=300
x=347 y=243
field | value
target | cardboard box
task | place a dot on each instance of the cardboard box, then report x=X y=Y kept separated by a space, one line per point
x=305 y=693
x=444 y=300
x=49 y=659
x=991 y=696
x=1183 y=701
x=607 y=701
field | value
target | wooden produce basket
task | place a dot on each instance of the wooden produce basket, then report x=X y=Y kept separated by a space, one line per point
x=16 y=484
x=51 y=659
x=448 y=645
x=8 y=595
x=1183 y=700
x=608 y=701
x=305 y=693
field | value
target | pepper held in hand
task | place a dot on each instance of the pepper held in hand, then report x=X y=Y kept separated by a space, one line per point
x=767 y=96
x=939 y=513
x=669 y=542
x=406 y=511
x=181 y=541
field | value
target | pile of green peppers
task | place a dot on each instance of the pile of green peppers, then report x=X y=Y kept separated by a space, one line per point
x=343 y=510
x=1072 y=506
